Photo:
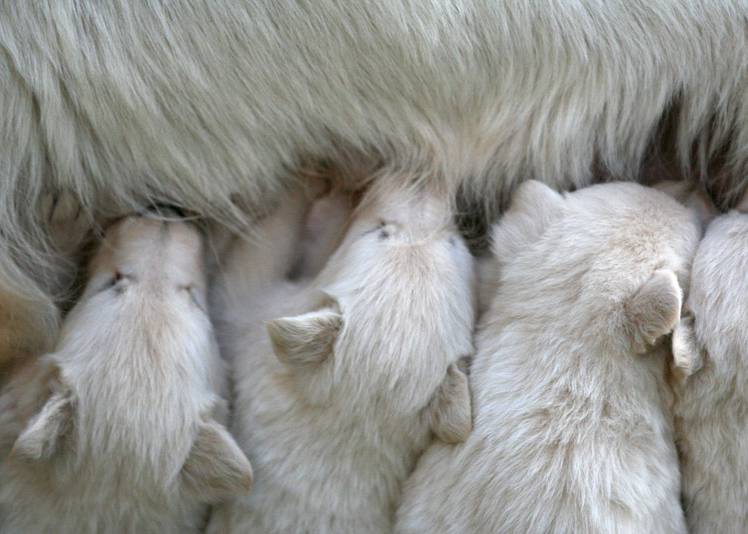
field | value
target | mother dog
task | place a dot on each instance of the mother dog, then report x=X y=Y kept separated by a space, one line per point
x=124 y=103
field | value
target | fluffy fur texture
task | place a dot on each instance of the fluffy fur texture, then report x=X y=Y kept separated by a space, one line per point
x=572 y=428
x=189 y=102
x=342 y=379
x=119 y=429
x=711 y=353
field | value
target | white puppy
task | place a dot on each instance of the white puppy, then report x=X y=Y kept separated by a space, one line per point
x=334 y=405
x=711 y=344
x=572 y=432
x=117 y=430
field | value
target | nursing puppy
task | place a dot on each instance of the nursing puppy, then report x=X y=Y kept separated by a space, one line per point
x=342 y=380
x=119 y=430
x=571 y=432
x=710 y=346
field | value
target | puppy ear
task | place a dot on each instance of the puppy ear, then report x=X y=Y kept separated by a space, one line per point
x=42 y=436
x=654 y=310
x=537 y=198
x=450 y=411
x=541 y=203
x=307 y=339
x=534 y=206
x=688 y=358
x=216 y=468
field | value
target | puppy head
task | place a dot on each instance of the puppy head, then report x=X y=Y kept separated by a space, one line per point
x=155 y=255
x=616 y=254
x=398 y=311
x=139 y=373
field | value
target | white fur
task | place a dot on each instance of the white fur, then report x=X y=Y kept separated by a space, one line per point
x=122 y=102
x=335 y=404
x=572 y=430
x=118 y=430
x=711 y=353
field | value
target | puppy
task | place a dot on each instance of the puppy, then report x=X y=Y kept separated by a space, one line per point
x=119 y=430
x=711 y=362
x=342 y=378
x=572 y=429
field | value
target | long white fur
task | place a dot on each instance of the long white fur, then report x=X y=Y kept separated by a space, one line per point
x=336 y=400
x=191 y=102
x=711 y=353
x=119 y=429
x=572 y=425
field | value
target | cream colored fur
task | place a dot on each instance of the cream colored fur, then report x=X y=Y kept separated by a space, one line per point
x=189 y=101
x=711 y=358
x=572 y=429
x=342 y=378
x=119 y=429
